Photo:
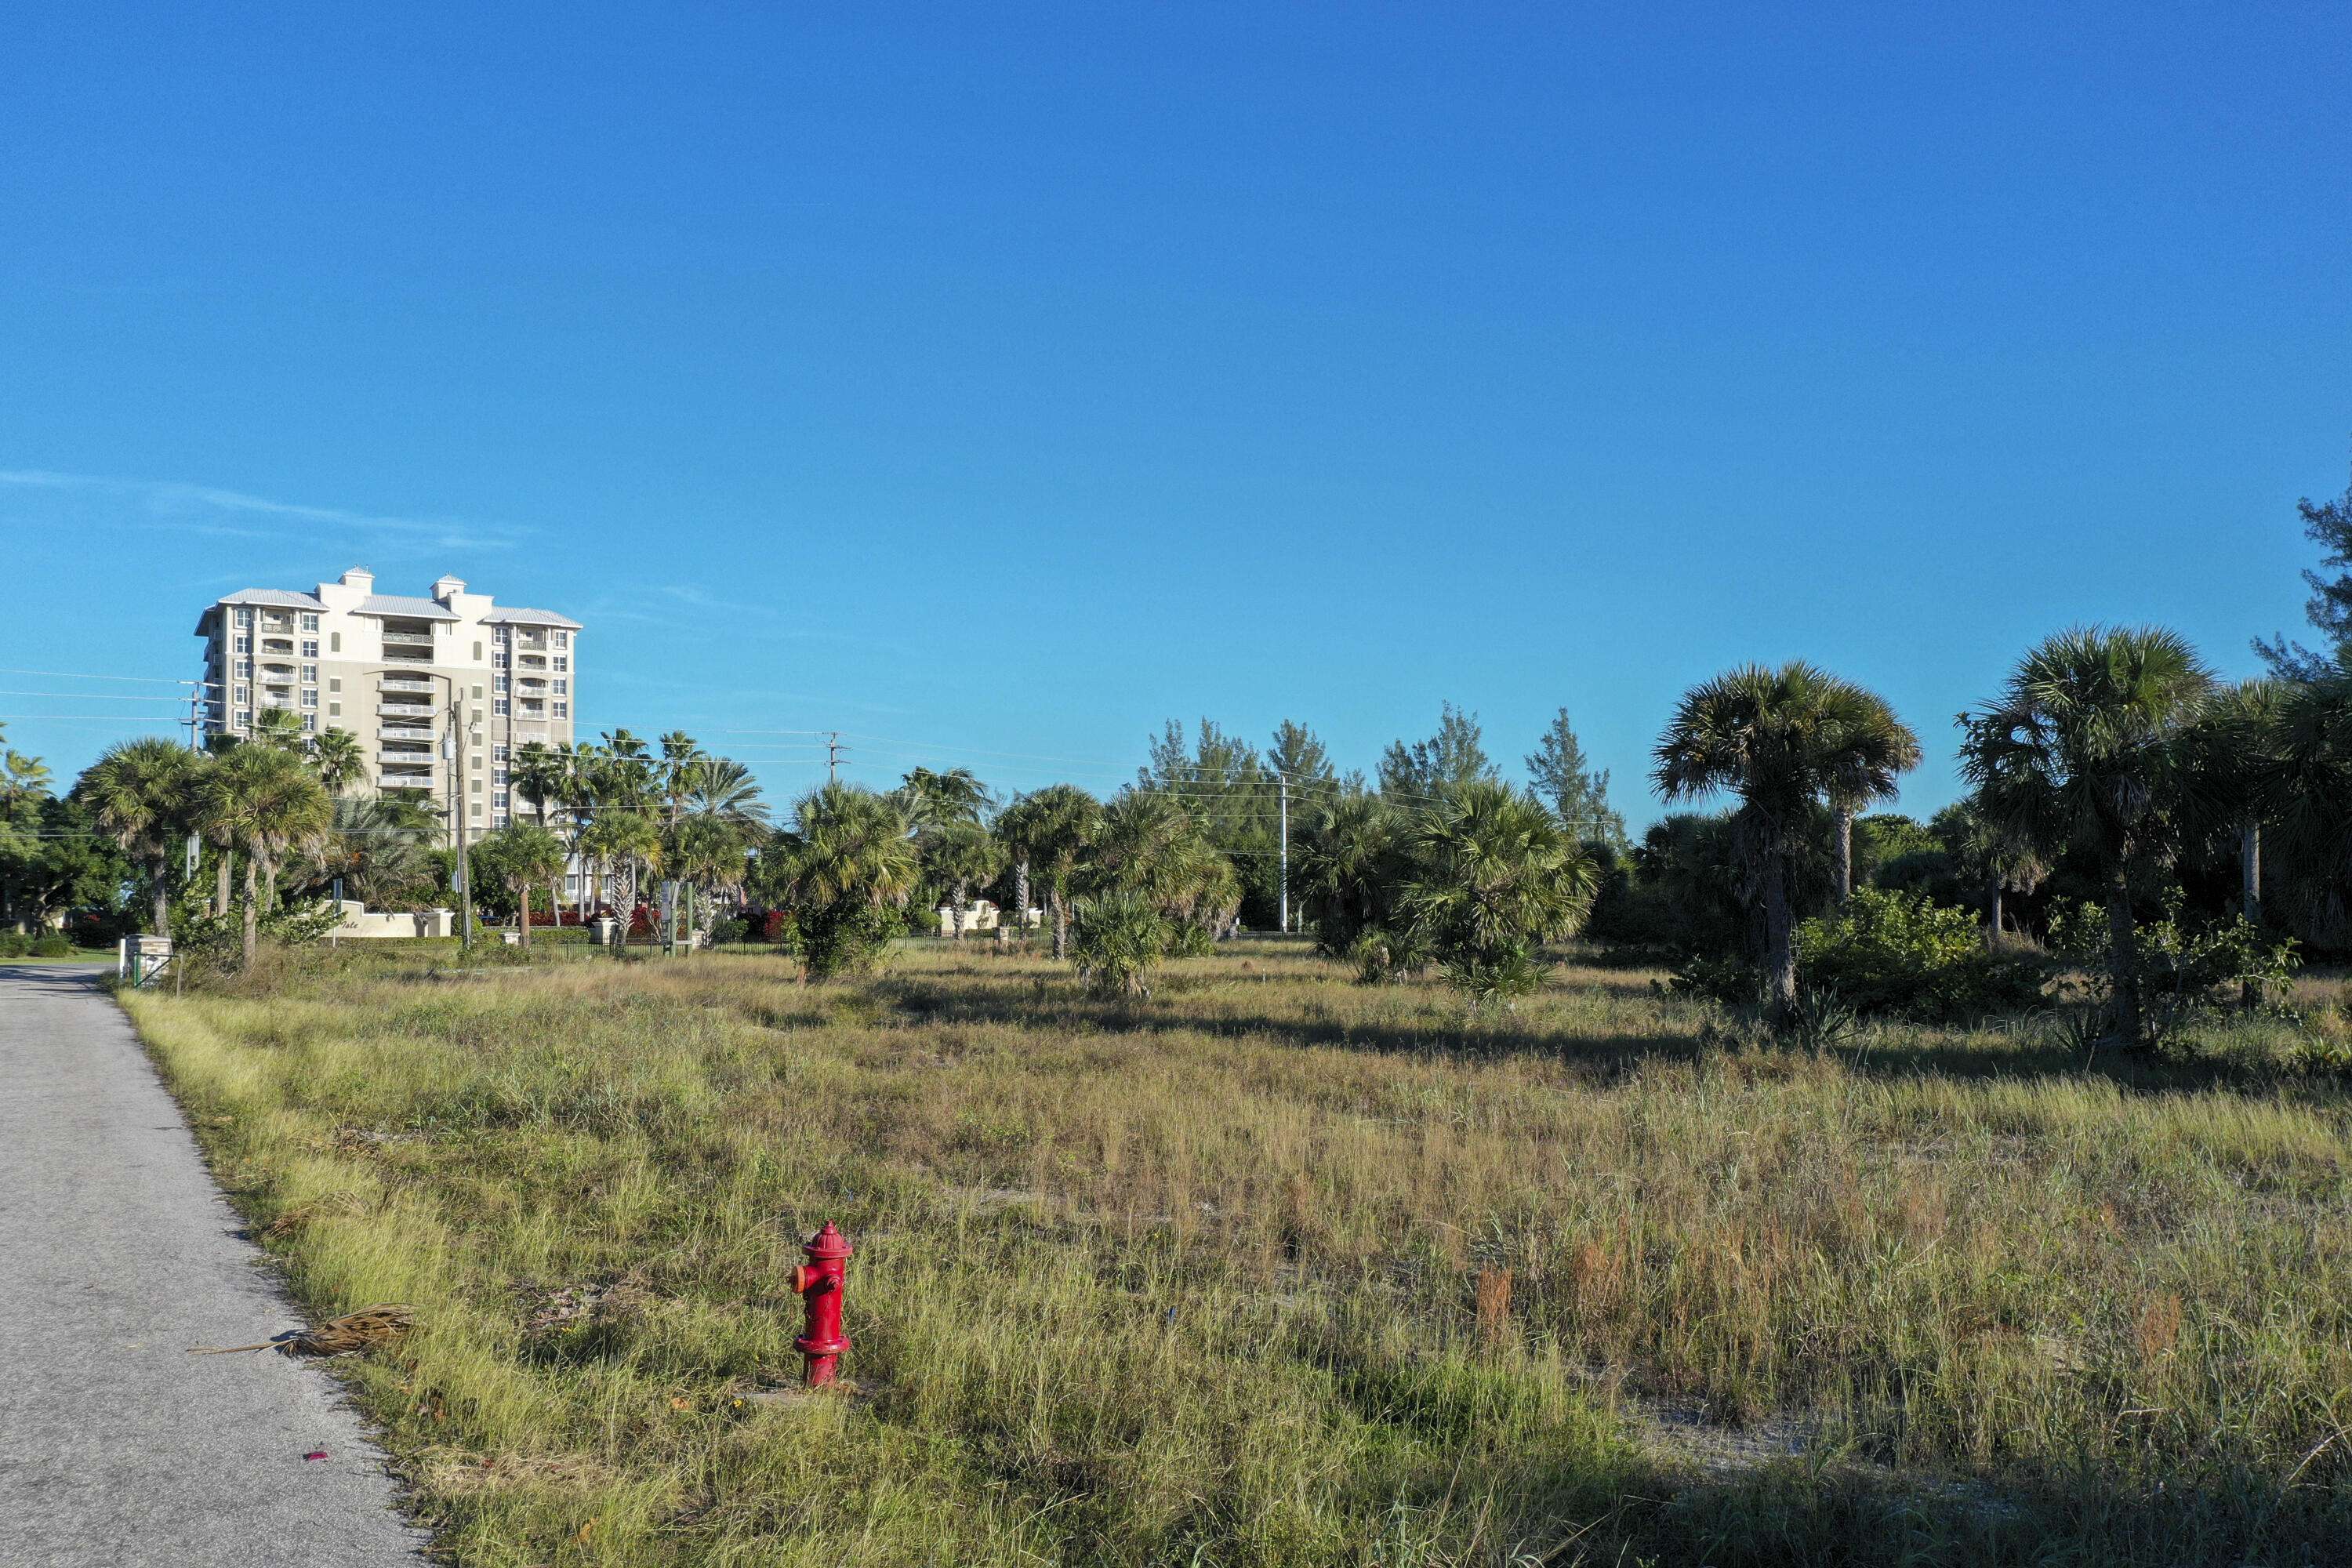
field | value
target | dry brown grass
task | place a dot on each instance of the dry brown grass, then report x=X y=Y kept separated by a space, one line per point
x=1275 y=1268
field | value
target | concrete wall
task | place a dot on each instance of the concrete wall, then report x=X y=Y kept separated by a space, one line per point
x=360 y=922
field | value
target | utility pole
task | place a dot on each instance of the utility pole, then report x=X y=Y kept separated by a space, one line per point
x=832 y=755
x=1285 y=778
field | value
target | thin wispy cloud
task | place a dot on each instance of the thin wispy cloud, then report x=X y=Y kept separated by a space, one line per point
x=211 y=511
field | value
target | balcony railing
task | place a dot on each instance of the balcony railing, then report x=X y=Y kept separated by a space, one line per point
x=391 y=732
x=406 y=655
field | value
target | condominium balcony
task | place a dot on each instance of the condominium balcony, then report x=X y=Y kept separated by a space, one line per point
x=392 y=729
x=399 y=682
x=404 y=653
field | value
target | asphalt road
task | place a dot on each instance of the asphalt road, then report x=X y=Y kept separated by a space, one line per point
x=119 y=1449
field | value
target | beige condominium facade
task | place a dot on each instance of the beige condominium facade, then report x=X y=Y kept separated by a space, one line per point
x=389 y=667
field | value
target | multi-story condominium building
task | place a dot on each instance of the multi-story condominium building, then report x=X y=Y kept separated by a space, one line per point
x=392 y=670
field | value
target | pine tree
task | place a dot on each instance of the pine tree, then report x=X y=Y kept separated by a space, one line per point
x=1579 y=794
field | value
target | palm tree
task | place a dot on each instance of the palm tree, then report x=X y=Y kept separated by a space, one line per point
x=1782 y=741
x=958 y=857
x=338 y=756
x=933 y=800
x=278 y=727
x=678 y=754
x=846 y=859
x=724 y=789
x=1050 y=832
x=2085 y=747
x=1991 y=852
x=538 y=774
x=1151 y=847
x=381 y=849
x=2307 y=778
x=526 y=855
x=629 y=843
x=1349 y=868
x=268 y=804
x=1496 y=873
x=704 y=852
x=2231 y=750
x=1870 y=749
x=142 y=795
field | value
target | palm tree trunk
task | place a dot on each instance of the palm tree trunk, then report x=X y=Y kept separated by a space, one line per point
x=523 y=916
x=162 y=871
x=1842 y=850
x=555 y=899
x=2250 y=865
x=957 y=903
x=2123 y=958
x=252 y=913
x=1779 y=940
x=220 y=886
x=1020 y=892
x=1061 y=920
x=1992 y=932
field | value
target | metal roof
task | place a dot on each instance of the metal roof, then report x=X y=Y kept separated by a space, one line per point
x=406 y=608
x=522 y=617
x=277 y=599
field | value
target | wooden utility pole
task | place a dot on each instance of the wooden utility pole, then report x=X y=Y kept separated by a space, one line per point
x=1284 y=778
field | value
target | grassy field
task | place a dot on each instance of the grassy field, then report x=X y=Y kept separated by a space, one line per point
x=1273 y=1268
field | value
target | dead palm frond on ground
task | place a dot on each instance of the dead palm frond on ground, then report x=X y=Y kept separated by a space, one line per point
x=347 y=1335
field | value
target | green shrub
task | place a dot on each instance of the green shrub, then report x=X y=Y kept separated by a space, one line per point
x=51 y=946
x=2184 y=969
x=1897 y=953
x=14 y=945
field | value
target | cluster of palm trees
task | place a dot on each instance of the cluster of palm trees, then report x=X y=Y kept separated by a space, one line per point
x=2114 y=745
x=627 y=812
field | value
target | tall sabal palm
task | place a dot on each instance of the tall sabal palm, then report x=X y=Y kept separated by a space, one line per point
x=933 y=800
x=627 y=844
x=2308 y=774
x=958 y=857
x=1994 y=854
x=339 y=757
x=2087 y=747
x=2231 y=748
x=278 y=727
x=678 y=754
x=142 y=795
x=1495 y=875
x=538 y=773
x=1051 y=831
x=269 y=805
x=1782 y=741
x=706 y=854
x=1870 y=748
x=849 y=845
x=526 y=855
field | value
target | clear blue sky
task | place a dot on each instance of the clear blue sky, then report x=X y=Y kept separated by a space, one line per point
x=1011 y=379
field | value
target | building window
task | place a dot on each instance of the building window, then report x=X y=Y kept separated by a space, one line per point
x=499 y=775
x=334 y=683
x=476 y=812
x=310 y=623
x=244 y=642
x=498 y=683
x=334 y=642
x=244 y=695
x=563 y=639
x=311 y=672
x=499 y=799
x=477 y=694
x=310 y=697
x=500 y=707
x=498 y=659
x=334 y=709
x=497 y=754
x=244 y=667
x=564 y=689
x=473 y=786
x=564 y=709
x=561 y=664
x=245 y=618
x=311 y=647
x=310 y=722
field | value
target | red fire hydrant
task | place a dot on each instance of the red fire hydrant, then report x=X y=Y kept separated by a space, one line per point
x=819 y=1279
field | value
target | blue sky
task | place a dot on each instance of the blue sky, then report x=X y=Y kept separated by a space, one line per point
x=1008 y=379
